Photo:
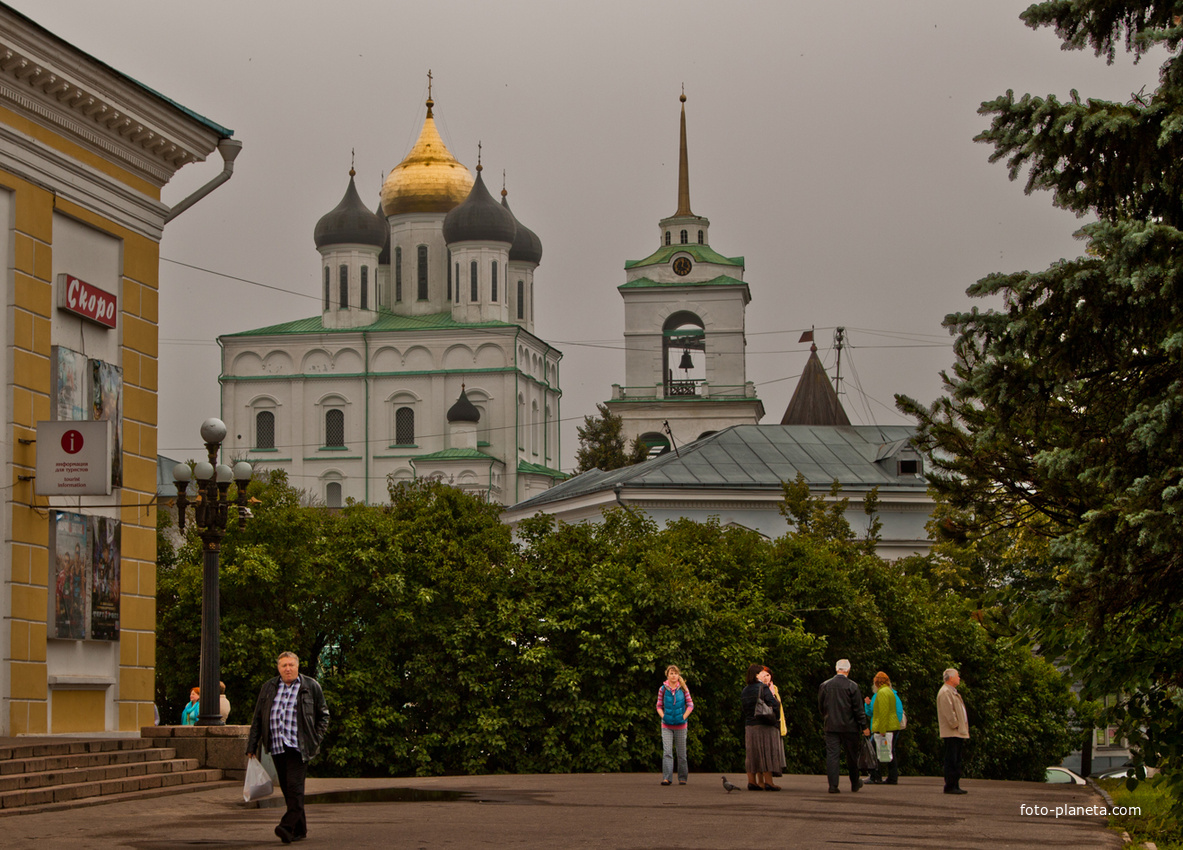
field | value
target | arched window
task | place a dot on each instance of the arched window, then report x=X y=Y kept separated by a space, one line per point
x=521 y=299
x=326 y=287
x=685 y=237
x=398 y=275
x=493 y=293
x=422 y=294
x=363 y=300
x=700 y=237
x=333 y=494
x=475 y=293
x=667 y=237
x=449 y=275
x=344 y=299
x=404 y=426
x=264 y=430
x=335 y=428
x=655 y=443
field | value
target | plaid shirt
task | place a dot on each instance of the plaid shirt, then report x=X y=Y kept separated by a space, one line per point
x=283 y=718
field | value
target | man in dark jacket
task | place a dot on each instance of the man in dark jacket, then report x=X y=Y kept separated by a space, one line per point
x=841 y=704
x=290 y=721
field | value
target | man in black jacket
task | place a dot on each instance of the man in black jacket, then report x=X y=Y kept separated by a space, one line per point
x=290 y=720
x=841 y=704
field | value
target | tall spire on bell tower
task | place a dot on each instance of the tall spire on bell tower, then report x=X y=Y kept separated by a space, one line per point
x=683 y=165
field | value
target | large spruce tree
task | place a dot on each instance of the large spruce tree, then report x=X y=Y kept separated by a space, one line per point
x=1063 y=412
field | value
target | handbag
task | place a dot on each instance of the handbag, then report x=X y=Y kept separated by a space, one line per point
x=258 y=783
x=903 y=720
x=867 y=758
x=763 y=710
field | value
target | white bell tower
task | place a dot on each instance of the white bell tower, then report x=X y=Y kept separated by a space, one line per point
x=685 y=375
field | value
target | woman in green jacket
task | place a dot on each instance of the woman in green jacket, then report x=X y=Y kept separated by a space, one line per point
x=885 y=711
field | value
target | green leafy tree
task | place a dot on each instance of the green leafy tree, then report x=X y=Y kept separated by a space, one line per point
x=602 y=444
x=1063 y=413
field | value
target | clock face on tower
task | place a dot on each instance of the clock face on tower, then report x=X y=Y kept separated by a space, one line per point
x=682 y=266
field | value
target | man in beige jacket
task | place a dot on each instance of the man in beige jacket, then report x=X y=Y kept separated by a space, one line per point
x=954 y=729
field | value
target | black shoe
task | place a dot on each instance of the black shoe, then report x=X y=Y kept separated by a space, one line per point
x=955 y=791
x=834 y=789
x=875 y=780
x=771 y=787
x=892 y=782
x=284 y=834
x=666 y=782
x=856 y=786
x=752 y=786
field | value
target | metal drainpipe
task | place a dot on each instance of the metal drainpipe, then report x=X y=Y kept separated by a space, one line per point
x=365 y=339
x=229 y=149
x=517 y=374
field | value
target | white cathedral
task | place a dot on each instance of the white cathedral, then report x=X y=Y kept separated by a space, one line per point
x=423 y=361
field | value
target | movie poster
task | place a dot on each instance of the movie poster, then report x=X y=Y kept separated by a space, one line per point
x=104 y=594
x=71 y=401
x=71 y=565
x=107 y=400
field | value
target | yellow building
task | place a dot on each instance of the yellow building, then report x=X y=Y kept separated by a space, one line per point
x=84 y=154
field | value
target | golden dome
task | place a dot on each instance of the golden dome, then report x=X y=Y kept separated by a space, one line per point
x=430 y=179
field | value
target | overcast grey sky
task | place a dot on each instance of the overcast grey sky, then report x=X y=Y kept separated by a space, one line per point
x=830 y=145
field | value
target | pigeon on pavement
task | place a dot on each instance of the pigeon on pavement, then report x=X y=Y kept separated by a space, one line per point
x=727 y=785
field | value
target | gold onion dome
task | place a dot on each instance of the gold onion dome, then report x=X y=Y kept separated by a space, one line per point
x=429 y=179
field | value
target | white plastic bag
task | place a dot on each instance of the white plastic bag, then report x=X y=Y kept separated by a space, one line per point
x=258 y=783
x=883 y=746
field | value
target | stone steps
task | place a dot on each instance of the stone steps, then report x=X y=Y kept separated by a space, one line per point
x=61 y=774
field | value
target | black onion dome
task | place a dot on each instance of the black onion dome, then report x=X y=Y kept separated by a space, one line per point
x=464 y=410
x=384 y=254
x=479 y=218
x=527 y=247
x=350 y=223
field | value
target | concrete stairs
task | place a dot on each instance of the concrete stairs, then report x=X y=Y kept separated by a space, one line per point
x=46 y=774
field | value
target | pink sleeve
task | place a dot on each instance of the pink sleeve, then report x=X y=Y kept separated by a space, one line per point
x=660 y=694
x=689 y=702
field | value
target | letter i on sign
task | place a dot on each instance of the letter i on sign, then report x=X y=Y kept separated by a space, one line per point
x=72 y=442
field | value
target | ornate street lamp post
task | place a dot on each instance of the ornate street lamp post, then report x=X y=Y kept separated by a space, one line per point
x=210 y=511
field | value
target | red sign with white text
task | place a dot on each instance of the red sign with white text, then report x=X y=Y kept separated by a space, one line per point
x=87 y=300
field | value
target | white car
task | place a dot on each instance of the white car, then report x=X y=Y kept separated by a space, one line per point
x=1063 y=776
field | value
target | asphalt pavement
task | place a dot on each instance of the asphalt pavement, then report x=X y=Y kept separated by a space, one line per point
x=619 y=811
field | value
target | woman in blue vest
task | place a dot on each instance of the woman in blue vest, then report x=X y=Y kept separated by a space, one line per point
x=673 y=707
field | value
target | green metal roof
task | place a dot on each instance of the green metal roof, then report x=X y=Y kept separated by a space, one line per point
x=538 y=469
x=386 y=321
x=455 y=454
x=759 y=457
x=644 y=282
x=700 y=253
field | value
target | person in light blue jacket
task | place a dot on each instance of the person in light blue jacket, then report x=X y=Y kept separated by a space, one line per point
x=189 y=715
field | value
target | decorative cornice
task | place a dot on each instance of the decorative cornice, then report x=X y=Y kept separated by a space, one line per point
x=97 y=107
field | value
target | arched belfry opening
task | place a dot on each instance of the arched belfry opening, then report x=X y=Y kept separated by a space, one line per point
x=683 y=354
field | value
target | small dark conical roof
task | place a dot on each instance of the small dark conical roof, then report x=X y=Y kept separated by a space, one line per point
x=814 y=402
x=350 y=223
x=479 y=218
x=463 y=410
x=527 y=247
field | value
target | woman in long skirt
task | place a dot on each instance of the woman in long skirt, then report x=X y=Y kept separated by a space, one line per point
x=761 y=714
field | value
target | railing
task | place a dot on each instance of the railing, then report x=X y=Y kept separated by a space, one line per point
x=683 y=389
